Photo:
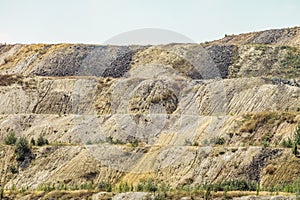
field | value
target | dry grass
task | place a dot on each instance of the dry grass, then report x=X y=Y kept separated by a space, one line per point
x=253 y=122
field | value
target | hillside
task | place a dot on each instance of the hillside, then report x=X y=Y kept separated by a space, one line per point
x=177 y=114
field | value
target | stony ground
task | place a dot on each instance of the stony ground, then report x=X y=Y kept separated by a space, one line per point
x=182 y=114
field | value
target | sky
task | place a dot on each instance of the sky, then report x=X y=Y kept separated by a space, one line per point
x=98 y=21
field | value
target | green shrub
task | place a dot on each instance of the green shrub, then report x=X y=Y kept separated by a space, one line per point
x=257 y=189
x=134 y=143
x=290 y=187
x=164 y=187
x=89 y=142
x=150 y=186
x=207 y=194
x=159 y=197
x=293 y=144
x=86 y=186
x=205 y=142
x=195 y=143
x=292 y=59
x=22 y=148
x=13 y=169
x=61 y=186
x=187 y=142
x=287 y=143
x=46 y=187
x=295 y=148
x=111 y=140
x=240 y=185
x=32 y=141
x=139 y=187
x=73 y=187
x=104 y=186
x=285 y=47
x=41 y=140
x=260 y=47
x=1 y=193
x=10 y=139
x=190 y=143
x=124 y=187
x=265 y=143
x=218 y=140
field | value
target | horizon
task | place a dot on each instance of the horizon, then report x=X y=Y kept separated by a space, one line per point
x=108 y=44
x=96 y=22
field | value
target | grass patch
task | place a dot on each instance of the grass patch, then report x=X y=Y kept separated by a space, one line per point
x=252 y=122
x=159 y=190
x=261 y=128
x=292 y=58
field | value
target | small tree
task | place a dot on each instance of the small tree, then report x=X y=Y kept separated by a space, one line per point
x=134 y=143
x=1 y=193
x=257 y=189
x=22 y=148
x=265 y=143
x=10 y=139
x=296 y=140
x=297 y=135
x=295 y=148
x=207 y=194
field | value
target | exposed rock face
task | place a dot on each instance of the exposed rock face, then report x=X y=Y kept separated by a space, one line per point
x=179 y=113
x=223 y=56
